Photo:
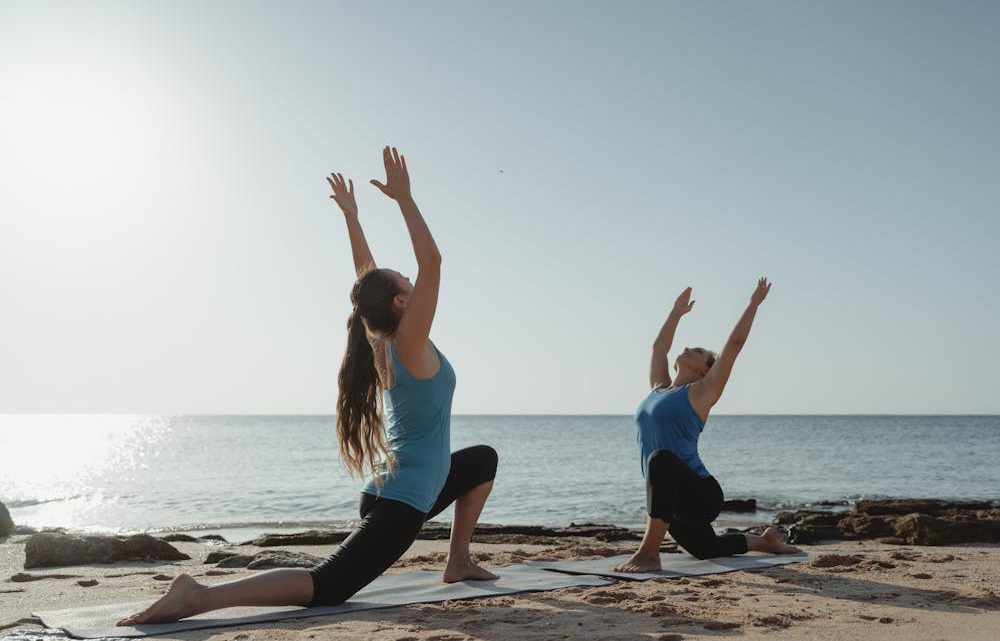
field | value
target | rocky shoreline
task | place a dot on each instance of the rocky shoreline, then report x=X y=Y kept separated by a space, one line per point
x=899 y=522
x=890 y=521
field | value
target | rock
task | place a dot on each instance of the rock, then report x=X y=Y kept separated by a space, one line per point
x=213 y=537
x=740 y=505
x=264 y=559
x=49 y=549
x=215 y=557
x=182 y=538
x=6 y=524
x=532 y=534
x=312 y=537
x=282 y=559
x=87 y=583
x=788 y=518
x=162 y=577
x=834 y=560
x=484 y=533
x=24 y=529
x=235 y=561
x=812 y=526
x=919 y=506
x=899 y=521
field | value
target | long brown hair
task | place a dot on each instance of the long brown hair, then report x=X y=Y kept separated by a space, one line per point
x=360 y=427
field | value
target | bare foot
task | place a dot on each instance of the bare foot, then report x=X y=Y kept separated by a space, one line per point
x=775 y=545
x=178 y=603
x=466 y=571
x=641 y=562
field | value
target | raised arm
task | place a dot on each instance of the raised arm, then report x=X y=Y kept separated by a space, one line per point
x=343 y=195
x=659 y=364
x=706 y=392
x=412 y=337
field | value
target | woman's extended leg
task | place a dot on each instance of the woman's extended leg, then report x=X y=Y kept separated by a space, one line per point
x=386 y=530
x=468 y=486
x=186 y=597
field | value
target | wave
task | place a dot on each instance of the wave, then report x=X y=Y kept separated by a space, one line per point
x=255 y=525
x=16 y=503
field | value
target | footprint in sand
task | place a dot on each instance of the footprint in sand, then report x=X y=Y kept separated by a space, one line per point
x=24 y=577
x=770 y=621
x=835 y=560
x=944 y=558
x=721 y=625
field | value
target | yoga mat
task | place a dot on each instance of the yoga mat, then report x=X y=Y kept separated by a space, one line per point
x=674 y=565
x=384 y=592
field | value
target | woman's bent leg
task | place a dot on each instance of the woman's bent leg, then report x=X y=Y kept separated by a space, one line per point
x=702 y=542
x=387 y=530
x=469 y=483
x=647 y=557
x=696 y=508
x=667 y=479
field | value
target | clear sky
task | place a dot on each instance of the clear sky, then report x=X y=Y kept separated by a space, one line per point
x=167 y=244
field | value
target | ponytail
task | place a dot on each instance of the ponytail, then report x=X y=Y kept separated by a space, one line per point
x=360 y=428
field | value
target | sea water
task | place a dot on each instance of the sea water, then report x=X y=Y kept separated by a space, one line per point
x=256 y=473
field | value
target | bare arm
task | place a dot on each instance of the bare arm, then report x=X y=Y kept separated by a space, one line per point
x=413 y=335
x=343 y=194
x=659 y=364
x=707 y=392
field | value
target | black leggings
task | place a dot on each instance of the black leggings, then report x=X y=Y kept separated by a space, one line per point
x=388 y=528
x=689 y=503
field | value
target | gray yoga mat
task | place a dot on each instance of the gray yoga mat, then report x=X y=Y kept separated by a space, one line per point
x=384 y=592
x=674 y=565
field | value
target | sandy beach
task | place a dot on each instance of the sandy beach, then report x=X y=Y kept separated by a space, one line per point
x=848 y=590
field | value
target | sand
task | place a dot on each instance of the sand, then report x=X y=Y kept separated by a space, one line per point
x=848 y=590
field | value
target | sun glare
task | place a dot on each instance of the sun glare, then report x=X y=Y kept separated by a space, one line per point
x=85 y=141
x=54 y=483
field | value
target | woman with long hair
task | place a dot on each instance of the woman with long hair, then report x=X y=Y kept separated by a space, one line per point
x=681 y=496
x=393 y=421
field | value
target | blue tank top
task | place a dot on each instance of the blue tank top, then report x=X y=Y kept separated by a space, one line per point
x=665 y=420
x=418 y=430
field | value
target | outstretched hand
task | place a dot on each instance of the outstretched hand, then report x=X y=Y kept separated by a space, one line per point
x=759 y=294
x=397 y=178
x=683 y=304
x=343 y=194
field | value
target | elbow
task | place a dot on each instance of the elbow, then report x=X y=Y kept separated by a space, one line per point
x=736 y=342
x=432 y=260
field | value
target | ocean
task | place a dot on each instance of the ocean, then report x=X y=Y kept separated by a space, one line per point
x=241 y=475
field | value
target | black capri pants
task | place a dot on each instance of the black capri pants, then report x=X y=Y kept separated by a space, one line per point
x=388 y=528
x=689 y=503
